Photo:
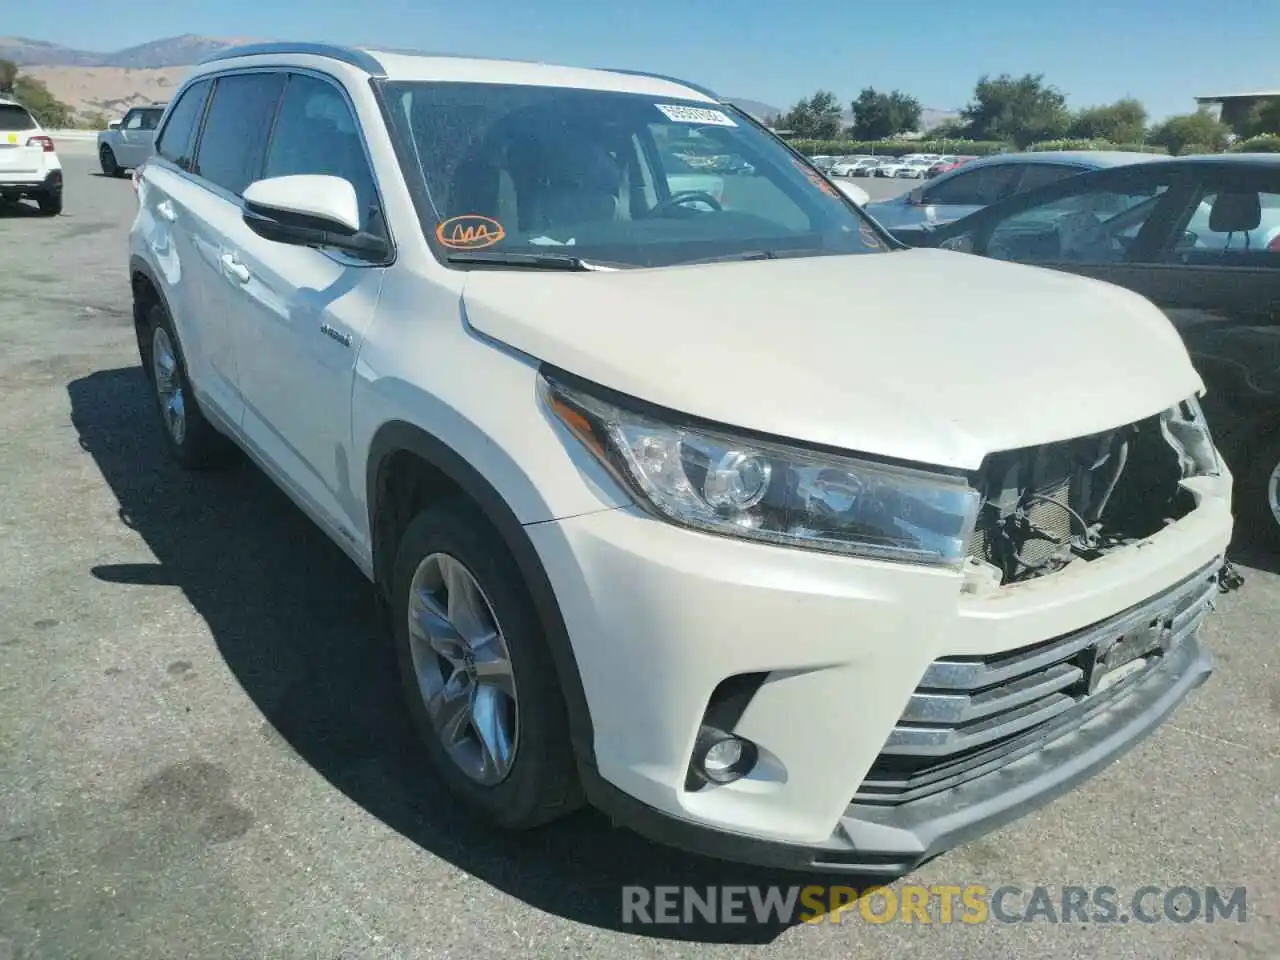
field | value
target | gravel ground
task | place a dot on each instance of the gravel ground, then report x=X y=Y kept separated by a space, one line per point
x=201 y=752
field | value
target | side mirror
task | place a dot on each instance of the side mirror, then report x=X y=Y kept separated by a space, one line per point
x=916 y=197
x=114 y=126
x=309 y=210
x=961 y=244
x=853 y=192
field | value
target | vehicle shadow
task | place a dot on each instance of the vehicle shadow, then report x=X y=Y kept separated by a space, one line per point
x=294 y=621
x=17 y=209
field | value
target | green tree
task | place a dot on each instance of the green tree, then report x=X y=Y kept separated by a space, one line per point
x=1022 y=110
x=97 y=120
x=1200 y=128
x=1264 y=118
x=1124 y=121
x=8 y=75
x=817 y=118
x=877 y=115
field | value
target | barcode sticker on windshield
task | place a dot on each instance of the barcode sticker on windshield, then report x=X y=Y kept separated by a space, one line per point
x=683 y=114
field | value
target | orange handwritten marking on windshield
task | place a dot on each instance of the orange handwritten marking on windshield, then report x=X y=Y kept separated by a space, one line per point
x=470 y=232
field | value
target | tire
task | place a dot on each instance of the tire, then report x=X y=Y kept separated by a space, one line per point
x=1257 y=497
x=107 y=158
x=50 y=203
x=191 y=440
x=539 y=783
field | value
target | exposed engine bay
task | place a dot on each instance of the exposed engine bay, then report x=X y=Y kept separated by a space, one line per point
x=1047 y=506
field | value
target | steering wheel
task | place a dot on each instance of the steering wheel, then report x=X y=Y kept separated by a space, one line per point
x=684 y=196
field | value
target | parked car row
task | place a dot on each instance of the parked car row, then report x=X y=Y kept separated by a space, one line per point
x=916 y=166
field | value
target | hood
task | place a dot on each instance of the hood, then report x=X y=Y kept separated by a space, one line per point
x=923 y=355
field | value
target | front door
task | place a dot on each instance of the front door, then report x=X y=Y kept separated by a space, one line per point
x=304 y=311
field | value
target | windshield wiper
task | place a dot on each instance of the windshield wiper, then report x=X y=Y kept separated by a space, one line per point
x=534 y=261
x=759 y=255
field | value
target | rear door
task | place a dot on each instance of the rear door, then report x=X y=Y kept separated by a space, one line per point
x=228 y=157
x=172 y=205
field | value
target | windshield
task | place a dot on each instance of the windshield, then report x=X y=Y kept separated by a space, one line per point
x=14 y=117
x=620 y=178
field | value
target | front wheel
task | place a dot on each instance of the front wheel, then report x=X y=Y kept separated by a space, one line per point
x=477 y=676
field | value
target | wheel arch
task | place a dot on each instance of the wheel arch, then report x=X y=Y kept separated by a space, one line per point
x=398 y=438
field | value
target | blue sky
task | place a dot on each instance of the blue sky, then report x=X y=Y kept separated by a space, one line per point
x=1162 y=51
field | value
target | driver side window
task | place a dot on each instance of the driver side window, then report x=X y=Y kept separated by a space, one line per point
x=1094 y=226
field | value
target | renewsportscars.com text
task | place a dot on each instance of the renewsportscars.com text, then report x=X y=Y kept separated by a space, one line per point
x=969 y=904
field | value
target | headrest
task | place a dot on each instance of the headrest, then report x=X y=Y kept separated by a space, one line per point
x=1235 y=213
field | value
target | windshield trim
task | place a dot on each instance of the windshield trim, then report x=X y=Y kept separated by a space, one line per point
x=427 y=212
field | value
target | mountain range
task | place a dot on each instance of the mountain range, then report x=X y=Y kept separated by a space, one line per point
x=90 y=81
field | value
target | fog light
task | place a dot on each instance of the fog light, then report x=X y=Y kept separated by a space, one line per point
x=721 y=757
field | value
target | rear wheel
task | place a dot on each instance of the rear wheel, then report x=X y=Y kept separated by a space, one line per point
x=1259 y=491
x=50 y=203
x=107 y=158
x=476 y=672
x=191 y=439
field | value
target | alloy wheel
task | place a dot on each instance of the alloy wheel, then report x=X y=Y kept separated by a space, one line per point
x=463 y=669
x=164 y=363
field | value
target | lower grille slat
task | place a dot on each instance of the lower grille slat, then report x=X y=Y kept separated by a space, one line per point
x=970 y=716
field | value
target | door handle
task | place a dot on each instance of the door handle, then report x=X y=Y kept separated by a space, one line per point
x=235 y=268
x=165 y=209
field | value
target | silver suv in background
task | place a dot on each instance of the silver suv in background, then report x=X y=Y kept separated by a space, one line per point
x=127 y=144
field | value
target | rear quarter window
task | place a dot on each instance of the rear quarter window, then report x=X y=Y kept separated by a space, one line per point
x=177 y=139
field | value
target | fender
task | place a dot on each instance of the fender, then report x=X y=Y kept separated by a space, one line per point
x=137 y=265
x=398 y=435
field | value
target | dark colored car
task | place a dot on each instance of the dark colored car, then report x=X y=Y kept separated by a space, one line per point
x=1199 y=237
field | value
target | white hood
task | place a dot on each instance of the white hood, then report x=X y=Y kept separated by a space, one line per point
x=924 y=355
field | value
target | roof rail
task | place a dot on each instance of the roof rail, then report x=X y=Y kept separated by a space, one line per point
x=349 y=55
x=658 y=76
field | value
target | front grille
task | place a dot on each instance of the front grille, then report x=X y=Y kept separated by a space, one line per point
x=973 y=715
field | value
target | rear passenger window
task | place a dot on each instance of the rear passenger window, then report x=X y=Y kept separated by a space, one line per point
x=236 y=129
x=316 y=133
x=178 y=136
x=1232 y=228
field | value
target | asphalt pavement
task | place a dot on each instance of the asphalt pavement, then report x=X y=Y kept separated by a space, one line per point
x=202 y=752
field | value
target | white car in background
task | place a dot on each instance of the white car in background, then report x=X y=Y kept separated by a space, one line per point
x=29 y=165
x=917 y=169
x=851 y=166
x=127 y=144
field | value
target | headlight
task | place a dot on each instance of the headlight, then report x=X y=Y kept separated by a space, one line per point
x=719 y=483
x=1187 y=431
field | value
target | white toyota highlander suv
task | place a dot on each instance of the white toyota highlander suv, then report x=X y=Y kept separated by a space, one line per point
x=671 y=504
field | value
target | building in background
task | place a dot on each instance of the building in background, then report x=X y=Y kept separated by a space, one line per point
x=1233 y=109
